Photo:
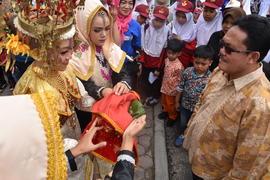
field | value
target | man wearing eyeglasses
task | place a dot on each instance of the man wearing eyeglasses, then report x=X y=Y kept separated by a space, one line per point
x=228 y=135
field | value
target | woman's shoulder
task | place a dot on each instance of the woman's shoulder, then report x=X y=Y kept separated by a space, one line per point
x=134 y=25
x=30 y=82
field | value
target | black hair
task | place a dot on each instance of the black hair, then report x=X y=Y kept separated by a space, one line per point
x=205 y=52
x=175 y=45
x=257 y=29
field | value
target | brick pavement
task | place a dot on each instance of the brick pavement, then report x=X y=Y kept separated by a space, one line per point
x=145 y=170
x=178 y=165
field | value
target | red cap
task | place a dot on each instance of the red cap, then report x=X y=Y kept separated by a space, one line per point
x=214 y=3
x=161 y=12
x=143 y=10
x=185 y=6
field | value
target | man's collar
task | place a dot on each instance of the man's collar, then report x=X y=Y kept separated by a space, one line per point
x=239 y=83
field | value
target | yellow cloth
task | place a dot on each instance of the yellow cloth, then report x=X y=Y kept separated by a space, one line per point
x=228 y=134
x=64 y=86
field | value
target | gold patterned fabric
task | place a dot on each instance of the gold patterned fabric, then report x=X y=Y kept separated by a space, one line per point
x=45 y=105
x=228 y=135
x=63 y=85
x=31 y=140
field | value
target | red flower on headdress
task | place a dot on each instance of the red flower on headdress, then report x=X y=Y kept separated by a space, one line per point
x=62 y=7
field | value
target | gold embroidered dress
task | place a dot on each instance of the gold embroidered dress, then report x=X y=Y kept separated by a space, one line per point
x=64 y=88
x=47 y=24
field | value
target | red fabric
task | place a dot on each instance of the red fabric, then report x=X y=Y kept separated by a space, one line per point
x=186 y=56
x=185 y=6
x=112 y=112
x=214 y=3
x=143 y=10
x=161 y=12
x=152 y=62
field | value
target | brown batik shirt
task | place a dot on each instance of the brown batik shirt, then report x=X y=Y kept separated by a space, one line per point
x=228 y=134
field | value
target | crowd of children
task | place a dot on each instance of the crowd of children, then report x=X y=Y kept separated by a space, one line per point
x=171 y=69
x=177 y=58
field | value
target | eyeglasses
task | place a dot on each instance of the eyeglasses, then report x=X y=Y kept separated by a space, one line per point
x=229 y=50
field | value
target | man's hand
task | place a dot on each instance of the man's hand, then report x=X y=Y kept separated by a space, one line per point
x=132 y=130
x=120 y=88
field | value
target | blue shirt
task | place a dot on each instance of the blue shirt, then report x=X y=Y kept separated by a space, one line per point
x=191 y=87
x=132 y=38
x=24 y=58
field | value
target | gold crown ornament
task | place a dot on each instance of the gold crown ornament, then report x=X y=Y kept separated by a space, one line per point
x=46 y=21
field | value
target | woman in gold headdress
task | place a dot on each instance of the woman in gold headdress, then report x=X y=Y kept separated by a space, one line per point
x=51 y=28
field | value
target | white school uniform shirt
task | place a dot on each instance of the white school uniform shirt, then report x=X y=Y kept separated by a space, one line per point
x=154 y=40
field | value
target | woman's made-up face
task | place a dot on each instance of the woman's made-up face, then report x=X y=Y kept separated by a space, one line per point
x=125 y=7
x=100 y=29
x=63 y=53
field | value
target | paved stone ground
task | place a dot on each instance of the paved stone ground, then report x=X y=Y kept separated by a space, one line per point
x=178 y=165
x=145 y=170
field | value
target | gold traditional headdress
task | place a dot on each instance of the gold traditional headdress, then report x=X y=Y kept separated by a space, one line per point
x=46 y=21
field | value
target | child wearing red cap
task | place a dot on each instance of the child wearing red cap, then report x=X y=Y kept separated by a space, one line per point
x=210 y=21
x=154 y=38
x=182 y=27
x=143 y=11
